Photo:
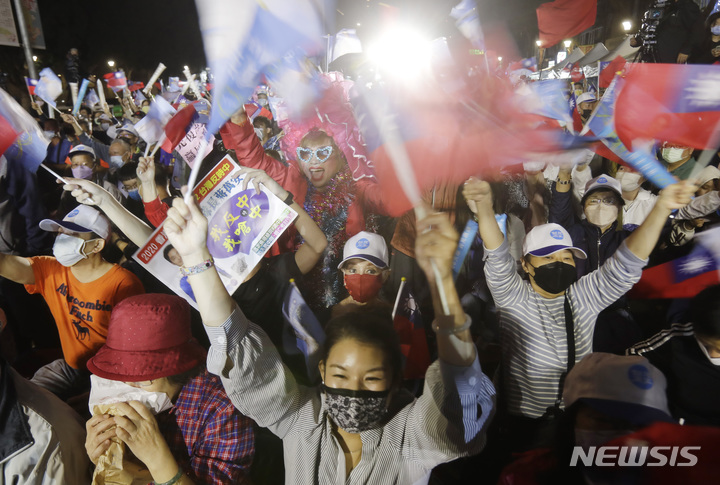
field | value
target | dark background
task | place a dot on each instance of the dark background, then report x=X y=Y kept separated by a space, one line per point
x=138 y=34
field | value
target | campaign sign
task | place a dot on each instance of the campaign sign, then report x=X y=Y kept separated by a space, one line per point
x=242 y=226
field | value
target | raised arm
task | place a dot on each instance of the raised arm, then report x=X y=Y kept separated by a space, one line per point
x=84 y=191
x=315 y=242
x=478 y=195
x=643 y=239
x=17 y=269
x=434 y=249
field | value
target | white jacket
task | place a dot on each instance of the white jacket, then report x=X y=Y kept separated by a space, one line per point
x=43 y=439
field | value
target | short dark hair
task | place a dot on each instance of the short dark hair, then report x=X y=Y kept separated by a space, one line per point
x=372 y=326
x=127 y=172
x=705 y=312
x=263 y=121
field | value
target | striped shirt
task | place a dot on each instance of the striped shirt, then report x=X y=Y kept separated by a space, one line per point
x=532 y=328
x=448 y=421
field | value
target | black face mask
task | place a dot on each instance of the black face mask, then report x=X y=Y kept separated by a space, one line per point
x=586 y=114
x=555 y=277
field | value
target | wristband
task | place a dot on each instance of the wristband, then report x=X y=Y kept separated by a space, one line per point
x=452 y=330
x=198 y=268
x=289 y=199
x=173 y=480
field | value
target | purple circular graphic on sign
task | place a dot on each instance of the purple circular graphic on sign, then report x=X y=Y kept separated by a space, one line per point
x=237 y=223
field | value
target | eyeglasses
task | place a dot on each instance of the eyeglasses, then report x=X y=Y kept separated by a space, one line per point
x=605 y=201
x=321 y=153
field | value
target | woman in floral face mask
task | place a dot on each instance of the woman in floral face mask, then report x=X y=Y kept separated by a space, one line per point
x=355 y=428
x=364 y=268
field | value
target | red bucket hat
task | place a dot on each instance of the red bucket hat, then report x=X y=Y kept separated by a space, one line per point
x=148 y=338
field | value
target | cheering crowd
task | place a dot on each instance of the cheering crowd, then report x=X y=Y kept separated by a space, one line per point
x=552 y=331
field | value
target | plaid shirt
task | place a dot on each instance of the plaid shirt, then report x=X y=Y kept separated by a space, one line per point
x=210 y=439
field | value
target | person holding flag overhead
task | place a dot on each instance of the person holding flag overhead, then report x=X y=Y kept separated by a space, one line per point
x=330 y=177
x=547 y=323
x=356 y=428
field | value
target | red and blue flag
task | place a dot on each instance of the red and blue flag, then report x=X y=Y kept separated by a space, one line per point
x=410 y=329
x=116 y=81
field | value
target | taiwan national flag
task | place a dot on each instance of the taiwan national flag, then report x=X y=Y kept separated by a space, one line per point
x=529 y=63
x=179 y=125
x=678 y=103
x=31 y=83
x=135 y=85
x=116 y=81
x=409 y=326
x=685 y=276
x=608 y=71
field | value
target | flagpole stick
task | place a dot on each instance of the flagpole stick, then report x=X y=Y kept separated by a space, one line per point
x=159 y=70
x=160 y=141
x=196 y=168
x=405 y=174
x=64 y=180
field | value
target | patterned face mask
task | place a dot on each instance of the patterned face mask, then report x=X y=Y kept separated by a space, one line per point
x=356 y=411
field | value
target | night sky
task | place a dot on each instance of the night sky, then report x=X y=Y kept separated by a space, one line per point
x=138 y=34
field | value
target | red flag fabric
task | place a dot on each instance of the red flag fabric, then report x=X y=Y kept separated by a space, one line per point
x=616 y=66
x=677 y=103
x=659 y=282
x=408 y=324
x=561 y=19
x=8 y=135
x=177 y=127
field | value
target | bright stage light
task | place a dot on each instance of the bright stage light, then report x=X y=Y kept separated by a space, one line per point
x=626 y=25
x=401 y=52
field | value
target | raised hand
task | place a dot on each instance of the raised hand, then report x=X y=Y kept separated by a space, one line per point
x=436 y=241
x=146 y=170
x=86 y=192
x=257 y=177
x=477 y=193
x=676 y=196
x=186 y=228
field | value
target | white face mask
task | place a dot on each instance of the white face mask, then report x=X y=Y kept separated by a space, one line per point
x=49 y=134
x=715 y=29
x=601 y=215
x=629 y=181
x=262 y=102
x=259 y=133
x=713 y=360
x=105 y=126
x=116 y=161
x=68 y=250
x=673 y=154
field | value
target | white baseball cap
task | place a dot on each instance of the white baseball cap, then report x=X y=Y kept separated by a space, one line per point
x=624 y=387
x=129 y=127
x=547 y=239
x=82 y=219
x=603 y=182
x=368 y=246
x=707 y=174
x=81 y=149
x=584 y=98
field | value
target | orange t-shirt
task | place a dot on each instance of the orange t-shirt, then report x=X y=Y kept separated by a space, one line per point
x=81 y=310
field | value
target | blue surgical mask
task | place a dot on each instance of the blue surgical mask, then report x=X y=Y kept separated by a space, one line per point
x=715 y=29
x=135 y=195
x=116 y=161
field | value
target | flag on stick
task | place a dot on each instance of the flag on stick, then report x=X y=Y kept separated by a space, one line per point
x=48 y=87
x=409 y=326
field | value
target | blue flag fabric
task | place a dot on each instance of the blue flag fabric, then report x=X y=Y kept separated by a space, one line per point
x=49 y=86
x=80 y=97
x=547 y=98
x=467 y=21
x=243 y=37
x=30 y=147
x=91 y=98
x=602 y=124
x=309 y=334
